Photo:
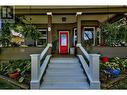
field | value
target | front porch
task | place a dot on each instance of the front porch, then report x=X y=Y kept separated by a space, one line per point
x=64 y=63
x=76 y=67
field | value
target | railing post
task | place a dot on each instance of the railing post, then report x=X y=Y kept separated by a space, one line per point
x=94 y=71
x=35 y=68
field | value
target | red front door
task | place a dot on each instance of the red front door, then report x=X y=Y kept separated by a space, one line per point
x=63 y=42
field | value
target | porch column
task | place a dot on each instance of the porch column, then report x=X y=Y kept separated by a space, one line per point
x=78 y=16
x=49 y=14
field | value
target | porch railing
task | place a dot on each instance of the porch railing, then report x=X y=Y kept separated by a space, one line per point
x=92 y=70
x=37 y=70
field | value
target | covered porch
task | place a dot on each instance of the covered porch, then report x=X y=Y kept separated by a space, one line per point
x=67 y=27
x=76 y=20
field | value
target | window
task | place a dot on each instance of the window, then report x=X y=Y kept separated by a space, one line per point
x=63 y=40
x=42 y=41
x=88 y=35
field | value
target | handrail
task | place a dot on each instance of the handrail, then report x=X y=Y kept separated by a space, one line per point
x=84 y=51
x=37 y=71
x=45 y=50
x=92 y=71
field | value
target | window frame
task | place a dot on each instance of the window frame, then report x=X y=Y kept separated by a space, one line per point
x=42 y=38
x=94 y=35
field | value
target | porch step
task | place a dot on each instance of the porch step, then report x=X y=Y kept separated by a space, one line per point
x=65 y=79
x=64 y=60
x=65 y=70
x=65 y=85
x=64 y=73
x=64 y=65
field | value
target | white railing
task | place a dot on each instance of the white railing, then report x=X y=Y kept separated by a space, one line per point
x=37 y=71
x=92 y=70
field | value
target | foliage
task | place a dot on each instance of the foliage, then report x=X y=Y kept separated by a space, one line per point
x=115 y=63
x=6 y=34
x=22 y=66
x=121 y=62
x=28 y=30
x=115 y=34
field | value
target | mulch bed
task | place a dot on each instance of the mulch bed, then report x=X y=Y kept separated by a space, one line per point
x=113 y=81
x=14 y=82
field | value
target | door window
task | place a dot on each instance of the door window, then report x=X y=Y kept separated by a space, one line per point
x=63 y=40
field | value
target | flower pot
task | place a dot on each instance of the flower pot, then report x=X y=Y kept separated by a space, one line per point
x=105 y=59
x=114 y=71
x=14 y=74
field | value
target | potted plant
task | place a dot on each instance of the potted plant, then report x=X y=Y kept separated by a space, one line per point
x=13 y=73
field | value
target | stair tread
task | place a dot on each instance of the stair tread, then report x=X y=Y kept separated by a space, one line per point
x=64 y=69
x=64 y=73
x=67 y=79
x=70 y=85
x=59 y=75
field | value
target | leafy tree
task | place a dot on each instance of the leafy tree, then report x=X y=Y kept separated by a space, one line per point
x=6 y=34
x=115 y=33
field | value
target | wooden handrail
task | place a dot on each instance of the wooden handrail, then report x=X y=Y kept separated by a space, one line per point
x=92 y=71
x=37 y=71
x=45 y=50
x=84 y=51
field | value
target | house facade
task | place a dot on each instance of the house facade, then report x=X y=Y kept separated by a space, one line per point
x=69 y=25
x=65 y=26
x=67 y=30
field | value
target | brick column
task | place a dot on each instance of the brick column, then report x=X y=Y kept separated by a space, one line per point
x=78 y=14
x=49 y=25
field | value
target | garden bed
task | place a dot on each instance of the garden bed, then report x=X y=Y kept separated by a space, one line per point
x=113 y=73
x=17 y=72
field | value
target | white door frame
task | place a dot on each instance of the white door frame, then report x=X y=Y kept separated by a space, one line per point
x=68 y=40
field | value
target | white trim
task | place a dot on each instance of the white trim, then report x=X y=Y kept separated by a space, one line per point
x=49 y=13
x=94 y=35
x=68 y=40
x=78 y=13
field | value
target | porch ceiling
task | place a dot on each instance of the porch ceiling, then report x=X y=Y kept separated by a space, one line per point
x=98 y=13
x=43 y=19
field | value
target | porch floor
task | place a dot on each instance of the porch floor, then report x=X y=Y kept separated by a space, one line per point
x=63 y=56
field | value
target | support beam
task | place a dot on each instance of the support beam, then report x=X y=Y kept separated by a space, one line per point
x=49 y=14
x=49 y=27
x=78 y=14
x=115 y=18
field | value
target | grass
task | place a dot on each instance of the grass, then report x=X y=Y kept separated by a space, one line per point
x=6 y=85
